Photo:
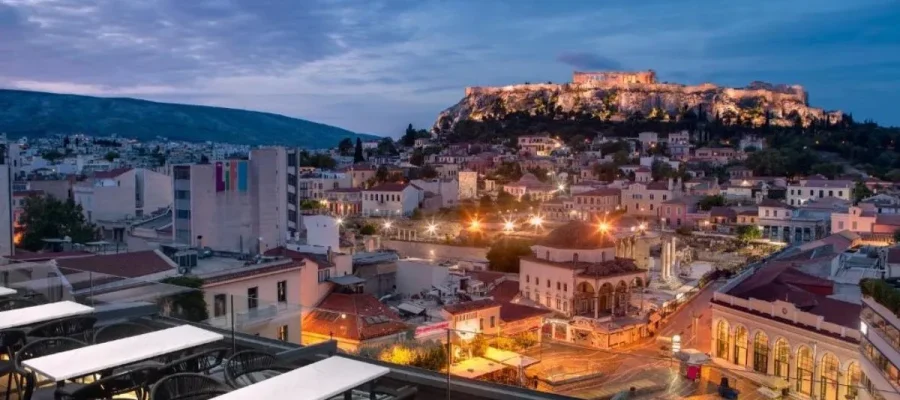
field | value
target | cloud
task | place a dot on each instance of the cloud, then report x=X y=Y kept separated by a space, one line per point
x=588 y=61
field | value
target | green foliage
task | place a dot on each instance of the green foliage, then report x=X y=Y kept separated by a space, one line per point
x=606 y=171
x=189 y=305
x=386 y=147
x=428 y=172
x=317 y=160
x=416 y=214
x=708 y=202
x=310 y=204
x=345 y=147
x=505 y=201
x=507 y=172
x=36 y=114
x=746 y=233
x=828 y=170
x=53 y=155
x=368 y=229
x=860 y=192
x=358 y=152
x=485 y=203
x=503 y=256
x=417 y=157
x=684 y=230
x=430 y=355
x=110 y=156
x=897 y=236
x=540 y=173
x=46 y=217
x=882 y=292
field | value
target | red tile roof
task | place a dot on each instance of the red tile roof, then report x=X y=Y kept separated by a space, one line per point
x=510 y=312
x=470 y=306
x=488 y=277
x=353 y=316
x=658 y=185
x=505 y=291
x=775 y=203
x=601 y=192
x=126 y=265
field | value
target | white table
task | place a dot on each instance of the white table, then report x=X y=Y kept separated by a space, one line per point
x=99 y=357
x=42 y=313
x=318 y=381
x=5 y=291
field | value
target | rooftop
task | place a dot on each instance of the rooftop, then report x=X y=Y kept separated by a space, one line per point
x=469 y=306
x=577 y=235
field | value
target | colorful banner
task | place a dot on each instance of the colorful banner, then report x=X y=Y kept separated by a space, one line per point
x=232 y=176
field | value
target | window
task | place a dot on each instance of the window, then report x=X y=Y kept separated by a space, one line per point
x=182 y=194
x=767 y=213
x=841 y=194
x=840 y=225
x=804 y=370
x=547 y=302
x=481 y=324
x=282 y=291
x=537 y=281
x=775 y=213
x=565 y=306
x=558 y=285
x=565 y=287
x=782 y=359
x=527 y=278
x=183 y=214
x=557 y=303
x=722 y=339
x=740 y=345
x=761 y=352
x=493 y=322
x=219 y=306
x=854 y=225
x=831 y=193
x=324 y=274
x=252 y=298
x=283 y=333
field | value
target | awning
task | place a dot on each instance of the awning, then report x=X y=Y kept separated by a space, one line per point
x=509 y=358
x=411 y=308
x=346 y=280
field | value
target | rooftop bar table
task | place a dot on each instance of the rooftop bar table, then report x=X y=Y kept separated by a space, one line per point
x=99 y=357
x=41 y=313
x=318 y=381
x=5 y=291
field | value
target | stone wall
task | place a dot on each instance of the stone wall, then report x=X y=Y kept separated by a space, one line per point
x=614 y=77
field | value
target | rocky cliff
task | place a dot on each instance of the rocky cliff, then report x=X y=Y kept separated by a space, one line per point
x=618 y=99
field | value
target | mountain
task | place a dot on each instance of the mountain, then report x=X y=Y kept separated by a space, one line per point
x=38 y=113
x=619 y=96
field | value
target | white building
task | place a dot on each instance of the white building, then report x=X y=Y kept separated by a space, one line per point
x=538 y=145
x=648 y=140
x=878 y=348
x=448 y=189
x=123 y=193
x=806 y=190
x=779 y=321
x=391 y=200
x=468 y=185
x=233 y=205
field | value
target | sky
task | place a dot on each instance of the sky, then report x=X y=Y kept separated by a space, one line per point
x=375 y=66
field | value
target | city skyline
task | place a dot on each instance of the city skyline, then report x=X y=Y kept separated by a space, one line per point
x=375 y=67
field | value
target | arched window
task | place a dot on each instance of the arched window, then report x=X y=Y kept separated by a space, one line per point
x=722 y=339
x=828 y=380
x=804 y=370
x=782 y=359
x=761 y=352
x=854 y=378
x=740 y=345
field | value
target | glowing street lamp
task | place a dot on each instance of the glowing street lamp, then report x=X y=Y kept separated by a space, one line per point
x=339 y=221
x=387 y=224
x=561 y=187
x=475 y=225
x=432 y=228
x=604 y=227
x=509 y=226
x=536 y=221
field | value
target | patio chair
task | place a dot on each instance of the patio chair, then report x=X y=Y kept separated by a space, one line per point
x=40 y=348
x=187 y=386
x=15 y=303
x=247 y=367
x=118 y=331
x=75 y=327
x=11 y=340
x=134 y=380
x=202 y=362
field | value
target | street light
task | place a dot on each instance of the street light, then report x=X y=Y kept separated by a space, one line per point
x=561 y=187
x=432 y=228
x=536 y=221
x=387 y=224
x=509 y=226
x=339 y=221
x=603 y=227
x=475 y=225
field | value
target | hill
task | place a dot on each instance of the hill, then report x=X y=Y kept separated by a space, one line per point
x=636 y=96
x=38 y=113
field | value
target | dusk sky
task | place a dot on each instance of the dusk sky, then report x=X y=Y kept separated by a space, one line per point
x=375 y=66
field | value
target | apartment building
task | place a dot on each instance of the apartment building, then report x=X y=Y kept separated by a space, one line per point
x=813 y=189
x=538 y=145
x=344 y=201
x=879 y=345
x=232 y=205
x=644 y=199
x=597 y=203
x=6 y=210
x=391 y=200
x=123 y=193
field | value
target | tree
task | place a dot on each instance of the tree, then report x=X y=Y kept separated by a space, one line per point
x=188 y=305
x=503 y=256
x=661 y=170
x=620 y=157
x=53 y=155
x=505 y=201
x=310 y=204
x=110 y=156
x=409 y=137
x=860 y=192
x=381 y=174
x=708 y=202
x=606 y=171
x=367 y=229
x=345 y=147
x=317 y=160
x=897 y=236
x=428 y=172
x=386 y=147
x=204 y=159
x=746 y=233
x=485 y=203
x=358 y=152
x=417 y=157
x=47 y=217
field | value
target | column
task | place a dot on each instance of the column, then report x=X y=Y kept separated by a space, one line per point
x=552 y=331
x=596 y=307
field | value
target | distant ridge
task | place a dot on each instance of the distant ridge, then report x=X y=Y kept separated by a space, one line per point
x=27 y=113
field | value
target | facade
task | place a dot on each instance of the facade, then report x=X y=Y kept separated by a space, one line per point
x=800 y=193
x=479 y=316
x=538 y=145
x=468 y=185
x=879 y=347
x=780 y=322
x=344 y=202
x=390 y=200
x=448 y=189
x=530 y=185
x=718 y=155
x=644 y=199
x=593 y=204
x=251 y=193
x=784 y=223
x=120 y=194
x=6 y=209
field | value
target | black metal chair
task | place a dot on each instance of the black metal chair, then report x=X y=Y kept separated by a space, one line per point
x=187 y=386
x=40 y=348
x=201 y=363
x=118 y=331
x=74 y=327
x=15 y=303
x=134 y=380
x=247 y=367
x=11 y=340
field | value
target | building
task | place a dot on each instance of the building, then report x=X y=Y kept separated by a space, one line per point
x=479 y=316
x=644 y=199
x=123 y=193
x=879 y=352
x=538 y=145
x=717 y=155
x=447 y=189
x=784 y=223
x=780 y=321
x=6 y=209
x=360 y=174
x=648 y=140
x=344 y=202
x=865 y=219
x=232 y=205
x=814 y=189
x=468 y=185
x=530 y=185
x=391 y=200
x=594 y=204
